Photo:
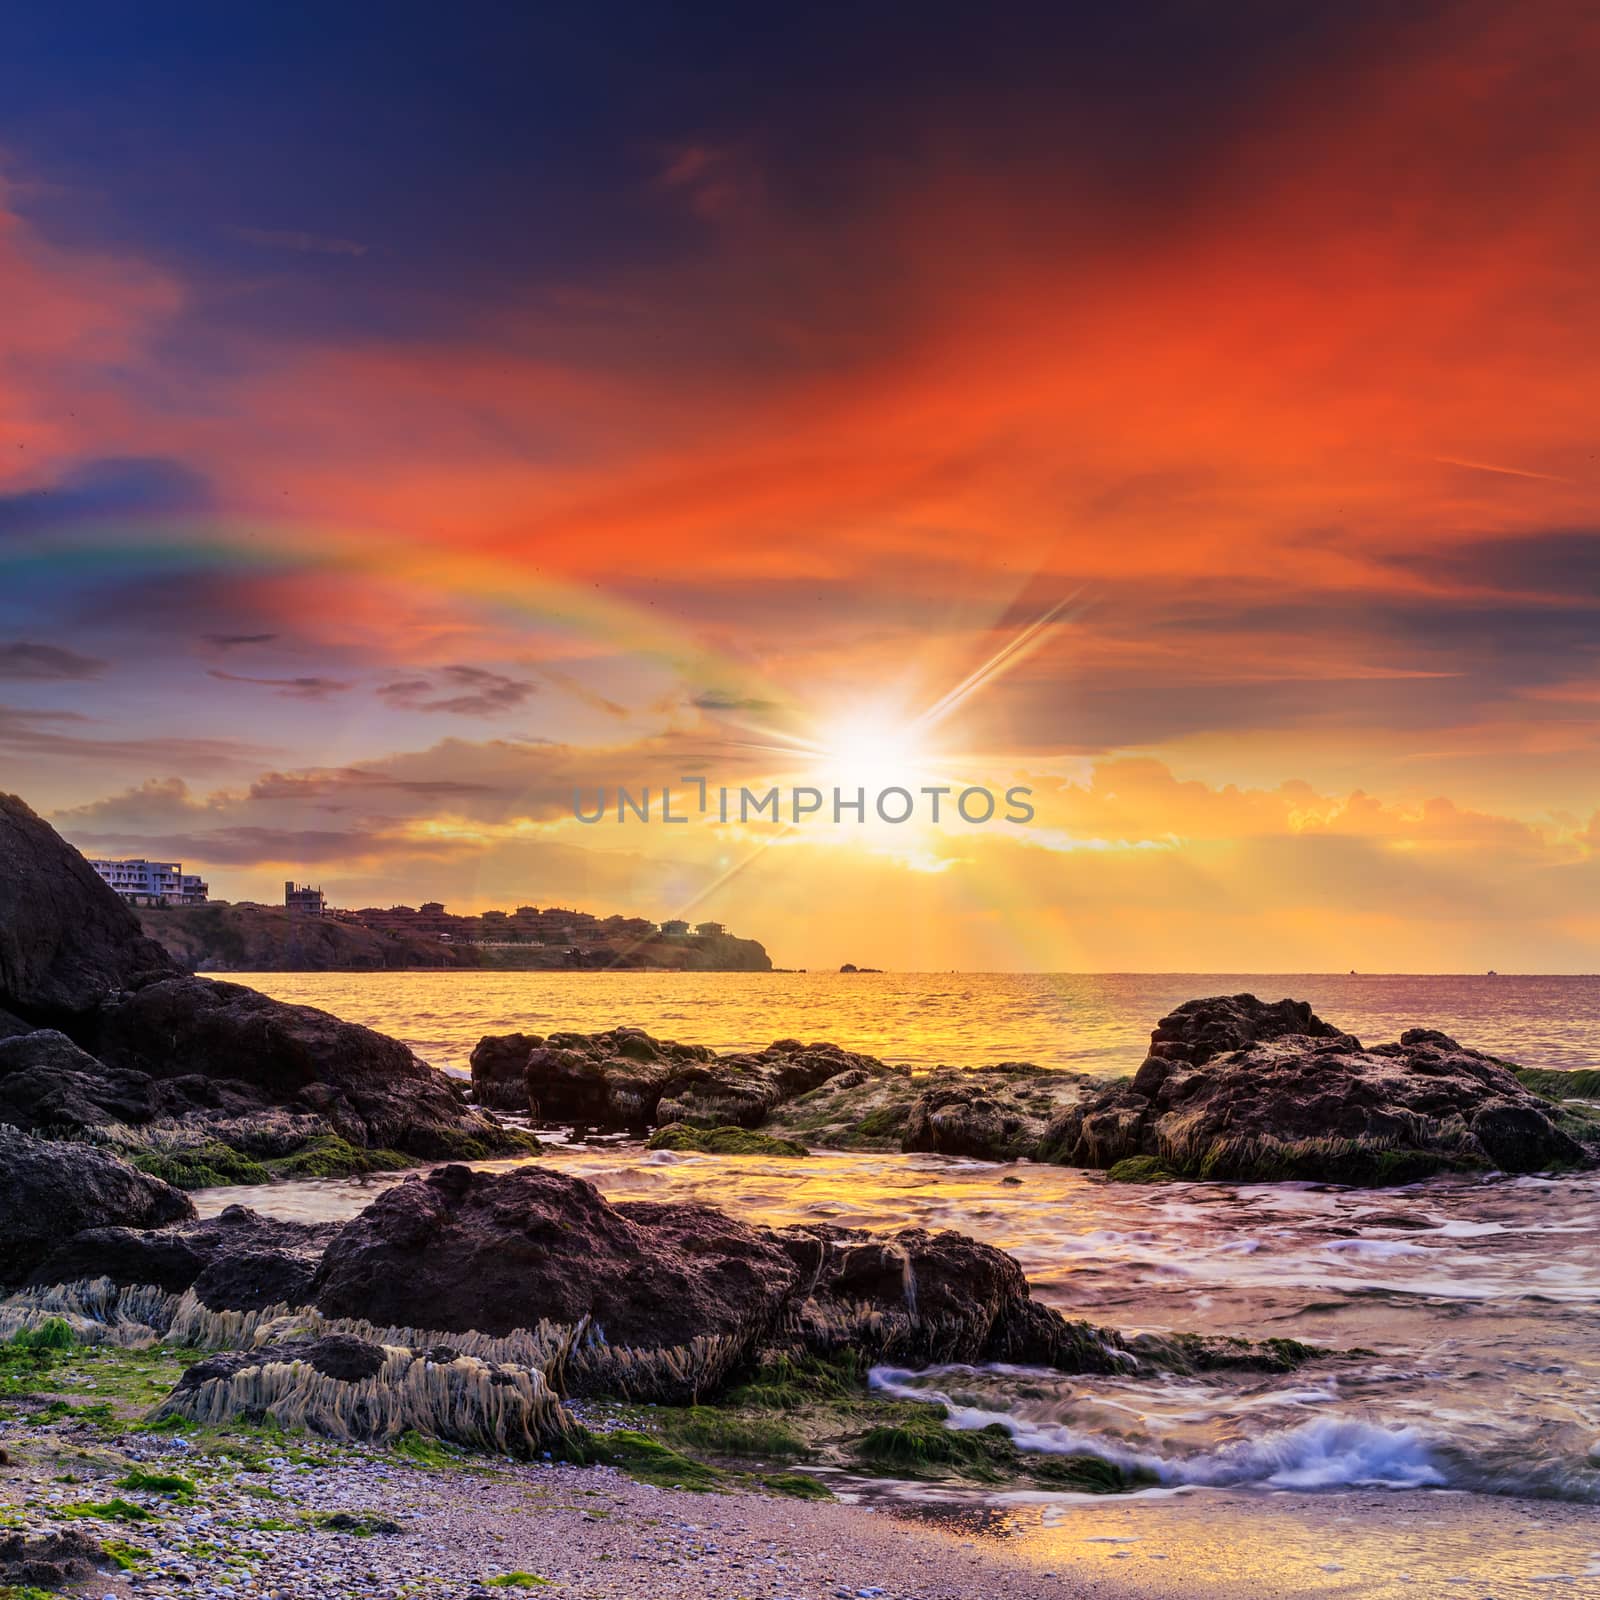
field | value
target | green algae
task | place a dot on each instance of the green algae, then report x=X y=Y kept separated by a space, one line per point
x=1141 y=1169
x=167 y=1483
x=718 y=1431
x=796 y=1486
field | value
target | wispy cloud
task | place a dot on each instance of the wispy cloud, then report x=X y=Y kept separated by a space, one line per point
x=309 y=244
x=25 y=660
x=233 y=641
x=302 y=688
x=462 y=691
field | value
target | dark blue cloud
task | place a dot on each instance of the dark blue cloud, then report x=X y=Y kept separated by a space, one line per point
x=113 y=486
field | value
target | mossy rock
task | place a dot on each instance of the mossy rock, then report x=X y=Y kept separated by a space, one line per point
x=1141 y=1169
x=1086 y=1474
x=213 y=1165
x=725 y=1141
x=1365 y=1163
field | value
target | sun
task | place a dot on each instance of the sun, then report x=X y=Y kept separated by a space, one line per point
x=872 y=751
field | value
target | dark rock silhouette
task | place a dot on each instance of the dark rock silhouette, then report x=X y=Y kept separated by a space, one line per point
x=67 y=942
x=466 y=1250
x=499 y=1066
x=369 y=1088
x=47 y=1082
x=51 y=1191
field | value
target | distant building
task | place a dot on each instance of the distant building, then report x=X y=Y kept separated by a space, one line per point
x=709 y=930
x=675 y=928
x=155 y=883
x=304 y=902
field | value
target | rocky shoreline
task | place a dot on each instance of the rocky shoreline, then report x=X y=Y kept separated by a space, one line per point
x=1233 y=1088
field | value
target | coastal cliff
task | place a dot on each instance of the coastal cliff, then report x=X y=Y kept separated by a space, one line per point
x=233 y=938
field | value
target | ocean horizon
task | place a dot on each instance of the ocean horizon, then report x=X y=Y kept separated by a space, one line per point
x=1084 y=1022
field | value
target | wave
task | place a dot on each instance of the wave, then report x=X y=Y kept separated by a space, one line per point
x=1325 y=1453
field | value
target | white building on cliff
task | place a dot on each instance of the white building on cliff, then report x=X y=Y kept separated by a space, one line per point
x=157 y=883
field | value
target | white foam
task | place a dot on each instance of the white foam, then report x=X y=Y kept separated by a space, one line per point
x=1327 y=1453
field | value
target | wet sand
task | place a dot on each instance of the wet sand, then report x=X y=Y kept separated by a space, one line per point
x=1207 y=1544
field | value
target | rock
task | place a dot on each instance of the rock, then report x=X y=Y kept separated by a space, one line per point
x=1312 y=1105
x=723 y=1141
x=611 y=1080
x=368 y=1088
x=992 y=1113
x=463 y=1250
x=340 y=1356
x=500 y=1070
x=50 y=1191
x=47 y=1082
x=352 y=1388
x=854 y=1110
x=67 y=941
x=11 y=1026
x=48 y=1561
x=238 y=1260
x=745 y=1089
x=1524 y=1138
x=1201 y=1029
x=922 y=1298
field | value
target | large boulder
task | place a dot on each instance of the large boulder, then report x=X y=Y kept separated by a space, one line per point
x=611 y=1080
x=238 y=1260
x=369 y=1088
x=499 y=1065
x=48 y=1084
x=1316 y=1105
x=67 y=941
x=464 y=1250
x=920 y=1298
x=50 y=1191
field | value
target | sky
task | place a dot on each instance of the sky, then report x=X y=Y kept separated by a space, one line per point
x=412 y=417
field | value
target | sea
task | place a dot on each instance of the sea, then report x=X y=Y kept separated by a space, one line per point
x=1467 y=1310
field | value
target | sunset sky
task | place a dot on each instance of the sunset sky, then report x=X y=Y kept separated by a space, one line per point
x=410 y=413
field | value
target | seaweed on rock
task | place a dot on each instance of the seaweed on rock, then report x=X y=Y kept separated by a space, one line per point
x=347 y=1388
